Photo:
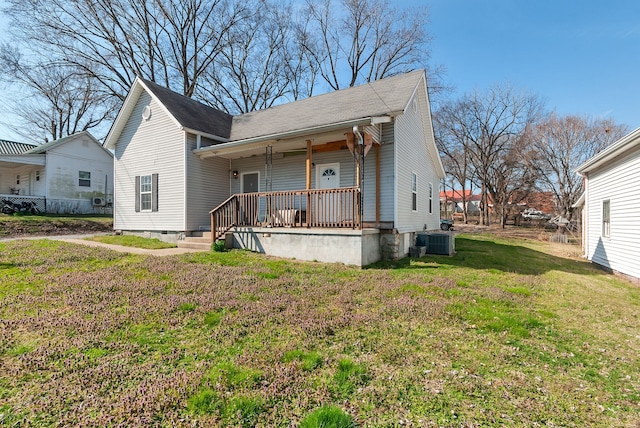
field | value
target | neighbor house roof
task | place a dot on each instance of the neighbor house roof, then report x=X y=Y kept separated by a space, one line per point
x=619 y=148
x=43 y=148
x=456 y=195
x=13 y=148
x=385 y=97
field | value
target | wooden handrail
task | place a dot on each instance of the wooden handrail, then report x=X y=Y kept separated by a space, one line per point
x=323 y=208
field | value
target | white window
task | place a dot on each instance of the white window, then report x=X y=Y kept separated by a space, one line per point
x=430 y=198
x=84 y=178
x=145 y=193
x=606 y=218
x=414 y=191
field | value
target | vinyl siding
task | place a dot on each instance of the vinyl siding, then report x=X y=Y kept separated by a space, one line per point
x=412 y=155
x=386 y=178
x=289 y=172
x=618 y=184
x=146 y=147
x=207 y=186
x=64 y=163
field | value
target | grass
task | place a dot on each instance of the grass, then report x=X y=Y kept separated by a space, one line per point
x=132 y=241
x=506 y=333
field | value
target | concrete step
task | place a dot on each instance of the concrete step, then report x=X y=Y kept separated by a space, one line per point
x=195 y=245
x=201 y=234
x=200 y=239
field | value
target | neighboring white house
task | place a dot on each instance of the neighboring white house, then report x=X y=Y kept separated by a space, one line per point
x=611 y=206
x=347 y=176
x=71 y=175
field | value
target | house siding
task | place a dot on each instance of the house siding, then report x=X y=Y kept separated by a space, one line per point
x=145 y=147
x=207 y=186
x=412 y=156
x=64 y=163
x=617 y=183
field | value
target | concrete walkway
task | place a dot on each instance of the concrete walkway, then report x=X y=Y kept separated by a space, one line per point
x=80 y=239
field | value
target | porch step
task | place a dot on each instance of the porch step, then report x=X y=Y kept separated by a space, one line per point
x=194 y=245
x=198 y=240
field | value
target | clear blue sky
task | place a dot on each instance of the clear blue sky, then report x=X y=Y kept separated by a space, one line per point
x=582 y=57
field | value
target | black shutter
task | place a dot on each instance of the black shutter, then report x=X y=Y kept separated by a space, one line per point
x=137 y=193
x=154 y=192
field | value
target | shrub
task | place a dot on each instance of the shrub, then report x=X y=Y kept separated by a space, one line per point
x=327 y=417
x=219 y=246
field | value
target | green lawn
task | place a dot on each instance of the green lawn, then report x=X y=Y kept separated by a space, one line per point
x=505 y=333
x=133 y=241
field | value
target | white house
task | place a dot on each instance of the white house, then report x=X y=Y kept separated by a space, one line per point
x=347 y=176
x=611 y=212
x=71 y=175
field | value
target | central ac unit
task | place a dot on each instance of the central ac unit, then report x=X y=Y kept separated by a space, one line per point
x=98 y=201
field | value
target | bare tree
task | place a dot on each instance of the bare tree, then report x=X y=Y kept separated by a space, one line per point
x=450 y=136
x=561 y=145
x=489 y=125
x=364 y=40
x=259 y=64
x=59 y=100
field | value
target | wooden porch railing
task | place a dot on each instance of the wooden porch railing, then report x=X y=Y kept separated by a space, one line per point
x=325 y=208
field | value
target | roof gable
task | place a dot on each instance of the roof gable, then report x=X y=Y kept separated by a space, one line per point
x=44 y=148
x=14 y=148
x=190 y=113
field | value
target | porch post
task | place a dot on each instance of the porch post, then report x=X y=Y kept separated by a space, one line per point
x=309 y=163
x=377 y=183
x=309 y=169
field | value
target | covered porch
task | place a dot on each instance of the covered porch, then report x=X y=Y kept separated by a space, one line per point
x=310 y=180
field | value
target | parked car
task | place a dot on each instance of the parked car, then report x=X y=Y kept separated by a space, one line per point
x=533 y=214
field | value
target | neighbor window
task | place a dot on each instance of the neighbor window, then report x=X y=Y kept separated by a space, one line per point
x=84 y=178
x=145 y=193
x=430 y=198
x=414 y=191
x=606 y=218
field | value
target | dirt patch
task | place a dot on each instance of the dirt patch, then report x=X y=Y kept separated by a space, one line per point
x=15 y=228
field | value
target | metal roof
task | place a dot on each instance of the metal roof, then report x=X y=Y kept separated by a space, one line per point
x=13 y=148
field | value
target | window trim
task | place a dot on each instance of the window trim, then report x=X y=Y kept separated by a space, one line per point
x=84 y=181
x=154 y=193
x=606 y=218
x=414 y=191
x=146 y=192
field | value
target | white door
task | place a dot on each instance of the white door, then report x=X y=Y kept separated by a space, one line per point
x=328 y=176
x=327 y=206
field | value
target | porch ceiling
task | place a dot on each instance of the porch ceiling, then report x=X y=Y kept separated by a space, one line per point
x=285 y=145
x=14 y=161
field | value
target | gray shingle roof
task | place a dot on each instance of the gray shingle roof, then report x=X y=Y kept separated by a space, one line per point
x=191 y=113
x=14 y=148
x=377 y=98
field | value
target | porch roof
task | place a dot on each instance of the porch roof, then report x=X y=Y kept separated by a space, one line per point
x=14 y=148
x=13 y=161
x=374 y=102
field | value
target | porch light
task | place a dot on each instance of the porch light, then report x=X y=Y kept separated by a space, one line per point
x=235 y=173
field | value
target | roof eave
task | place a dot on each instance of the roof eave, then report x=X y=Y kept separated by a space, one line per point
x=627 y=142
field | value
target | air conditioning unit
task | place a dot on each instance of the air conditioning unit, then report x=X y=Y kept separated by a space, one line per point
x=98 y=201
x=437 y=243
x=109 y=199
